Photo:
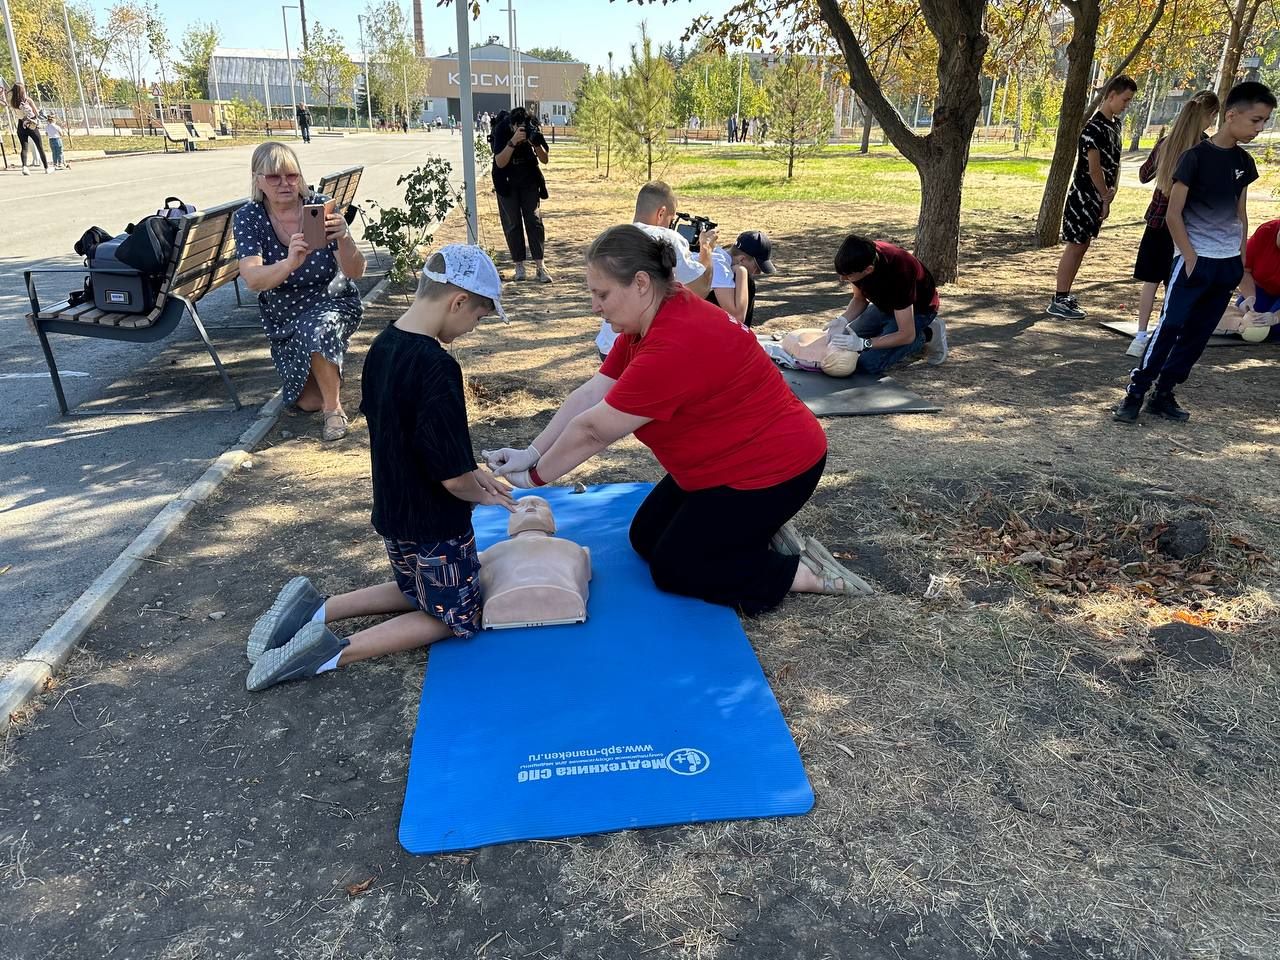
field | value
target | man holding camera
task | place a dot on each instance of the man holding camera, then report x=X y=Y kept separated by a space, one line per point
x=518 y=149
x=655 y=213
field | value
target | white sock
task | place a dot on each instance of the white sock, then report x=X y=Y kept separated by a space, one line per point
x=329 y=664
x=318 y=616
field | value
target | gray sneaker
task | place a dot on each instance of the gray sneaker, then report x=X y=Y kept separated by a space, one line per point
x=1067 y=308
x=298 y=659
x=935 y=351
x=294 y=607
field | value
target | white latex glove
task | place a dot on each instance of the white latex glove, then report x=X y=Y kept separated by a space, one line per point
x=509 y=460
x=520 y=479
x=848 y=341
x=1247 y=304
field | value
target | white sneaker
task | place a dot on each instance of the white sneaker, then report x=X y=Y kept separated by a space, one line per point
x=935 y=351
x=519 y=271
x=47 y=170
x=25 y=171
x=544 y=276
x=1139 y=345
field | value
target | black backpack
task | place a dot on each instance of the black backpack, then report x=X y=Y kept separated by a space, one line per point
x=90 y=239
x=151 y=241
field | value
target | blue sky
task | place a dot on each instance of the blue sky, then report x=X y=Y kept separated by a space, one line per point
x=588 y=29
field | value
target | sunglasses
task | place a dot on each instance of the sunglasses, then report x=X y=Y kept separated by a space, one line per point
x=275 y=179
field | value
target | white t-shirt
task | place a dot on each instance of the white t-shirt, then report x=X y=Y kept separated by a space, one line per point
x=688 y=269
x=52 y=131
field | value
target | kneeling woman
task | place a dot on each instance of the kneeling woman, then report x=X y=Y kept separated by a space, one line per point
x=307 y=310
x=743 y=455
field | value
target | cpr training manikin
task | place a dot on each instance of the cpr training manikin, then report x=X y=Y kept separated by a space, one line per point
x=534 y=578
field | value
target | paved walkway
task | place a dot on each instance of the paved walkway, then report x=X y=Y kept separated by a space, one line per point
x=150 y=418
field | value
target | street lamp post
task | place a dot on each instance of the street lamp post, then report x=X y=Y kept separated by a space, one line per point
x=368 y=93
x=13 y=42
x=288 y=56
x=467 y=107
x=75 y=62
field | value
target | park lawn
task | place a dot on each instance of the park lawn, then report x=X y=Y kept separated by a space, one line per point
x=1002 y=188
x=1012 y=757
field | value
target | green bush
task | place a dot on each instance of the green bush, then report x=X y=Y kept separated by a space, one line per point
x=406 y=232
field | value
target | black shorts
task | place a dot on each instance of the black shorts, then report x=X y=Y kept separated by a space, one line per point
x=1082 y=217
x=1155 y=256
x=440 y=579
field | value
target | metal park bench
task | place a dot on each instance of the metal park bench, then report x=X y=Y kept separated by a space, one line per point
x=204 y=259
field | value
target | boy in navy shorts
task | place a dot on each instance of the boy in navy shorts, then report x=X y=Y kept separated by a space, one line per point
x=425 y=483
x=1208 y=219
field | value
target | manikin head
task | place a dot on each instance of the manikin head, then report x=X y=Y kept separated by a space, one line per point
x=532 y=515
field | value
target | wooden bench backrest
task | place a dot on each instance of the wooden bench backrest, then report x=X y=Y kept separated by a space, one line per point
x=177 y=131
x=205 y=129
x=341 y=186
x=205 y=252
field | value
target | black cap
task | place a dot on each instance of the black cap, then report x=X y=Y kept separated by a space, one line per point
x=756 y=244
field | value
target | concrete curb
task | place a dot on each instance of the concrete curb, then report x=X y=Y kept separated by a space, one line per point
x=54 y=648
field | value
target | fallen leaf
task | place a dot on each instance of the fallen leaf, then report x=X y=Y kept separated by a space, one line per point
x=1193 y=618
x=355 y=889
x=845 y=750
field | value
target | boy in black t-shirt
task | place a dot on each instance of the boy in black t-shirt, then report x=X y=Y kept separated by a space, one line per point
x=1092 y=189
x=1208 y=219
x=425 y=482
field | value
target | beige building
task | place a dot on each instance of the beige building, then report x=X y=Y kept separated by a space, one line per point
x=549 y=86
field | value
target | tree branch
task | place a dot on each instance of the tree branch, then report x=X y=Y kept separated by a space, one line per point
x=1137 y=48
x=864 y=82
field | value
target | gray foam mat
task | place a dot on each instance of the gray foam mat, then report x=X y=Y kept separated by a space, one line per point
x=861 y=395
x=1130 y=327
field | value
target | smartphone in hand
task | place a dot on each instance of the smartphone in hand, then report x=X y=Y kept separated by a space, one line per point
x=313 y=217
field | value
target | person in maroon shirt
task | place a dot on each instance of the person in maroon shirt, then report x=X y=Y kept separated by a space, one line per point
x=742 y=454
x=894 y=311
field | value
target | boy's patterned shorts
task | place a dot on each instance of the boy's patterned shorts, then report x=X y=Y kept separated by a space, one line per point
x=440 y=579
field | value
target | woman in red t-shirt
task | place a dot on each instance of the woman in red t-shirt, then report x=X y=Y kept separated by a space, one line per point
x=742 y=454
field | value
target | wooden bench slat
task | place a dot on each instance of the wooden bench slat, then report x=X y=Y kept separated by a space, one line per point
x=91 y=316
x=55 y=310
x=74 y=313
x=210 y=226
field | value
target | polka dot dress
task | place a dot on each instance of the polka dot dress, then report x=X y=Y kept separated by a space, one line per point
x=301 y=316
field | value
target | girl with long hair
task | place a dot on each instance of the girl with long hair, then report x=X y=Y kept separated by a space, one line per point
x=1155 y=251
x=28 y=125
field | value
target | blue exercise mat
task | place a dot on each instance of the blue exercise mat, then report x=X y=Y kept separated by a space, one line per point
x=653 y=712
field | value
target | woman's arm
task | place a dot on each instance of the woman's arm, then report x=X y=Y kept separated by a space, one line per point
x=583 y=398
x=734 y=302
x=350 y=259
x=260 y=276
x=587 y=434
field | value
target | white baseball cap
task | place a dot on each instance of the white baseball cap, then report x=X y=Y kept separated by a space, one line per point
x=469 y=268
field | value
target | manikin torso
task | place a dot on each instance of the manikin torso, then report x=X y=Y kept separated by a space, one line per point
x=534 y=578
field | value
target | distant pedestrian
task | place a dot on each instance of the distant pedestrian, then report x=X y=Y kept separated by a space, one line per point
x=28 y=125
x=1089 y=200
x=304 y=122
x=732 y=129
x=54 y=132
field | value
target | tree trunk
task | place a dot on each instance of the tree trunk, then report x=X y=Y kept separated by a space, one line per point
x=791 y=160
x=939 y=157
x=1017 y=115
x=1242 y=17
x=866 y=129
x=1084 y=39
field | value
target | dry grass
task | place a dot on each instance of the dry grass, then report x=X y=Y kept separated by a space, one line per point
x=1003 y=767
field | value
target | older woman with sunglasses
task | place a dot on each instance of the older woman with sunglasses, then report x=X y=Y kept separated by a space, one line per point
x=309 y=306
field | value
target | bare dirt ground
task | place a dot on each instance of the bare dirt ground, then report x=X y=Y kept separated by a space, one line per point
x=1050 y=734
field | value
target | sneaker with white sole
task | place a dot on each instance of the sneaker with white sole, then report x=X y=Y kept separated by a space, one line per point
x=25 y=171
x=935 y=350
x=544 y=276
x=299 y=659
x=1139 y=345
x=1065 y=308
x=520 y=274
x=292 y=610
